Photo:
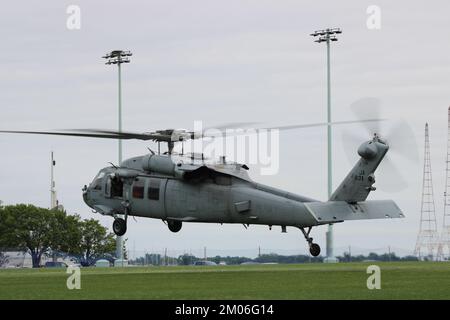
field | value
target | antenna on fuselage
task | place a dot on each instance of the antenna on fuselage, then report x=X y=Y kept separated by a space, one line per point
x=115 y=167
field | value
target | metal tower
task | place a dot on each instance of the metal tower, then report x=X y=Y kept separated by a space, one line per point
x=428 y=239
x=444 y=246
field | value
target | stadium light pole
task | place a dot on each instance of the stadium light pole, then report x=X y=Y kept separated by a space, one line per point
x=328 y=36
x=118 y=57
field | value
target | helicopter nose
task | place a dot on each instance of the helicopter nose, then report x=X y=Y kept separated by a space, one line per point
x=86 y=194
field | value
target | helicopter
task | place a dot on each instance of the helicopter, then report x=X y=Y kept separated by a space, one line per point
x=163 y=186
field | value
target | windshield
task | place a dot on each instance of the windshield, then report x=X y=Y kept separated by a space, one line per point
x=97 y=182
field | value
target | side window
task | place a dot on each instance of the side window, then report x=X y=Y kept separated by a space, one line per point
x=116 y=187
x=153 y=189
x=138 y=189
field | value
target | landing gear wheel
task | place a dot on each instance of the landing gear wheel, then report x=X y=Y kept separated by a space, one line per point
x=314 y=249
x=119 y=226
x=174 y=225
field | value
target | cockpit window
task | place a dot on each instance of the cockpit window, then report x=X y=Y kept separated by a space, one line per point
x=97 y=182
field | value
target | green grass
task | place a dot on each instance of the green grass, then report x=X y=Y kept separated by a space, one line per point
x=405 y=280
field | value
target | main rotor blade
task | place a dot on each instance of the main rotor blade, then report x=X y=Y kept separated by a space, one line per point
x=91 y=133
x=196 y=156
x=232 y=125
x=158 y=136
x=119 y=135
x=323 y=124
x=291 y=127
x=73 y=134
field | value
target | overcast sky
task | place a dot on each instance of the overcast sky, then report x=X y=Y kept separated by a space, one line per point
x=221 y=62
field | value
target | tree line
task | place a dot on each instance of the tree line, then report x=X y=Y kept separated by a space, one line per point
x=187 y=259
x=52 y=232
x=376 y=257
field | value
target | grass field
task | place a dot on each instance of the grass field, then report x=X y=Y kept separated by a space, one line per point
x=405 y=280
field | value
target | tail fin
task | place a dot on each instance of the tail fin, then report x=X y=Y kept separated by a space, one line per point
x=359 y=182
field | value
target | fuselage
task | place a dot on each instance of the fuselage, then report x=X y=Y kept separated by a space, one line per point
x=161 y=187
x=220 y=199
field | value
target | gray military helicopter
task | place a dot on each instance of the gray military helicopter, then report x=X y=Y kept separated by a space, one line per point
x=162 y=186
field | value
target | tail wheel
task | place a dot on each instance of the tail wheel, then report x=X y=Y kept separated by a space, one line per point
x=119 y=226
x=314 y=249
x=174 y=225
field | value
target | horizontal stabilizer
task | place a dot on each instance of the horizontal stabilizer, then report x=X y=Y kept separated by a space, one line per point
x=338 y=211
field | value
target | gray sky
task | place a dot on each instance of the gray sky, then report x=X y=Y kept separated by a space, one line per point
x=220 y=62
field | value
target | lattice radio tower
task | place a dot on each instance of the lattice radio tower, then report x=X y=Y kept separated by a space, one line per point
x=428 y=239
x=444 y=247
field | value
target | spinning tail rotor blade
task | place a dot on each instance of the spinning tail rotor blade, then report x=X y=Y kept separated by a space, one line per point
x=368 y=108
x=401 y=141
x=351 y=142
x=400 y=138
x=388 y=176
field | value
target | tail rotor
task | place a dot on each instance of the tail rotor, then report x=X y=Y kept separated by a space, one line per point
x=397 y=134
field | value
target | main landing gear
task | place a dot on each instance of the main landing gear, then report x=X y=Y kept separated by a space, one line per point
x=314 y=248
x=174 y=225
x=119 y=224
